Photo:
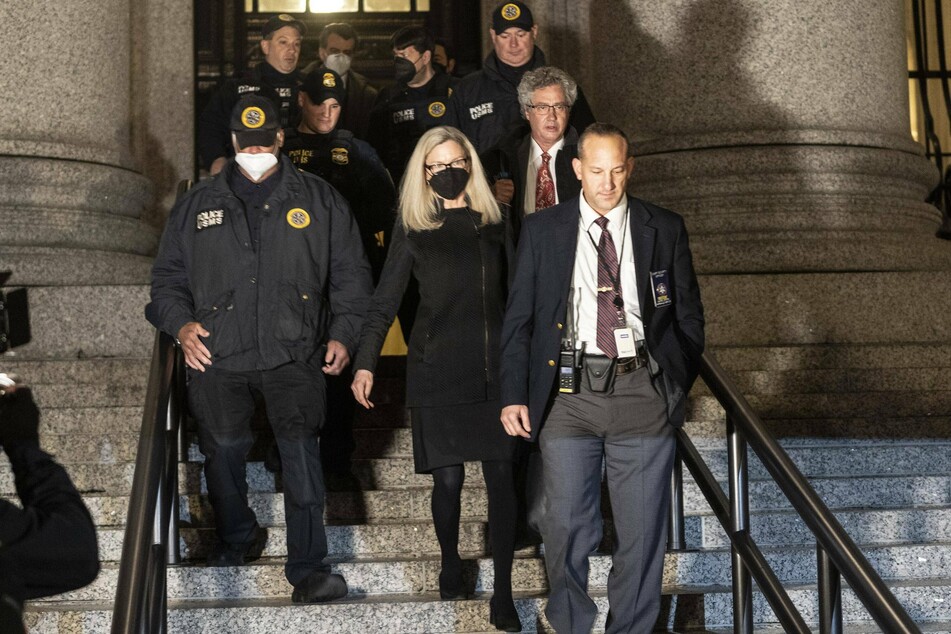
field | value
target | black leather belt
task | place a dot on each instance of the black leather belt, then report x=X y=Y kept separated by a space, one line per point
x=629 y=365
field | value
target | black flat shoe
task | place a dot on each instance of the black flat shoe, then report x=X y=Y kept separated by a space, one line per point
x=451 y=586
x=504 y=616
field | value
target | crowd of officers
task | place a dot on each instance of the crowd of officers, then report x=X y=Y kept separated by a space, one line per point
x=522 y=117
x=340 y=127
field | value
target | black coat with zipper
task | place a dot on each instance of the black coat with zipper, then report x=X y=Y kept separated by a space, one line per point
x=307 y=282
x=462 y=269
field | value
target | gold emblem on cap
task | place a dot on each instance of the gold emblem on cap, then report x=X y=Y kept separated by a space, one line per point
x=285 y=18
x=437 y=109
x=340 y=155
x=253 y=117
x=329 y=81
x=298 y=218
x=511 y=11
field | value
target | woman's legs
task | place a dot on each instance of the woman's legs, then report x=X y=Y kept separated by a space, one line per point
x=499 y=482
x=447 y=489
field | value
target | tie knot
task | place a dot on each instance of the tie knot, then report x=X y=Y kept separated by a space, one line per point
x=546 y=157
x=603 y=223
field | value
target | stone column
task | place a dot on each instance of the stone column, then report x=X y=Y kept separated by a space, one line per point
x=780 y=130
x=95 y=133
x=70 y=198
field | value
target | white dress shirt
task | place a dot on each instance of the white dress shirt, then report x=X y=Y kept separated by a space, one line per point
x=585 y=274
x=535 y=164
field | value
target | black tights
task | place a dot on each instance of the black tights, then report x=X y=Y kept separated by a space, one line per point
x=500 y=487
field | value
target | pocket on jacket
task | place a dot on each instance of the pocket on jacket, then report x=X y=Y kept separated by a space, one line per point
x=220 y=319
x=302 y=313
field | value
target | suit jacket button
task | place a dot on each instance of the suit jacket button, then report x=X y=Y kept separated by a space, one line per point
x=551 y=362
x=559 y=326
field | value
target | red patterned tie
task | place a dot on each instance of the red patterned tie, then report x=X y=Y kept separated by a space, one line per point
x=544 y=185
x=609 y=277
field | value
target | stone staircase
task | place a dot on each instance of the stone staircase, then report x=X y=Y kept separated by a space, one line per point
x=868 y=425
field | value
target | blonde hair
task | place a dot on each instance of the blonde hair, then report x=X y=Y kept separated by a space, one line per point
x=419 y=205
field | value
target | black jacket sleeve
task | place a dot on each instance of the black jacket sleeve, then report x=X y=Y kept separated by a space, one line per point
x=49 y=545
x=349 y=282
x=386 y=300
x=171 y=305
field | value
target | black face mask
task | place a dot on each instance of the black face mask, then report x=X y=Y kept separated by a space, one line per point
x=450 y=182
x=403 y=70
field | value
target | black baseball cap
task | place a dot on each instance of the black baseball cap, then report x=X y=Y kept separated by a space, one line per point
x=254 y=121
x=322 y=84
x=509 y=14
x=281 y=20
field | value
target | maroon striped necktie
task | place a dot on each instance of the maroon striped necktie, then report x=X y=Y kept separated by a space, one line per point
x=609 y=277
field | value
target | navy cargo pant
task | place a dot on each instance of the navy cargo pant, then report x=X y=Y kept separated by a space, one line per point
x=295 y=399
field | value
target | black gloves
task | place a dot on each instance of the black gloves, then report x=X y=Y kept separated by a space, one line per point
x=19 y=420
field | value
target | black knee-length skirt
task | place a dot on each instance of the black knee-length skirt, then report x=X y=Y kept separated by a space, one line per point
x=454 y=434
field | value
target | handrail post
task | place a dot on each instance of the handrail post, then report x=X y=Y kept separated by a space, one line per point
x=739 y=523
x=830 y=593
x=676 y=534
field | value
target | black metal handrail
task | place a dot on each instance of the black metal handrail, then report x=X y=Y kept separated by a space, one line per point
x=151 y=539
x=151 y=534
x=837 y=555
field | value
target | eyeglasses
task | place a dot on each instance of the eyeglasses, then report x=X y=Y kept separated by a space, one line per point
x=543 y=108
x=435 y=168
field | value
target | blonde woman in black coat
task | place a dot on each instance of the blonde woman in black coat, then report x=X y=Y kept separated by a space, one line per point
x=452 y=237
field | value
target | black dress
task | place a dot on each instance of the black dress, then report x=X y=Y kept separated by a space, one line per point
x=452 y=366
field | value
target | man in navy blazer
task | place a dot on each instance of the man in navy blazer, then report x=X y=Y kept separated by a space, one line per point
x=632 y=342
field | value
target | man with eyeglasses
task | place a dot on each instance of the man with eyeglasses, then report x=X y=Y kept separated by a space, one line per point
x=414 y=104
x=531 y=168
x=485 y=104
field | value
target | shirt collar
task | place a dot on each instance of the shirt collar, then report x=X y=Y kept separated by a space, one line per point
x=535 y=153
x=615 y=216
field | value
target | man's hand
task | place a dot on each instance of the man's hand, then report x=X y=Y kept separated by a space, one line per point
x=217 y=165
x=515 y=420
x=197 y=355
x=336 y=359
x=504 y=190
x=361 y=386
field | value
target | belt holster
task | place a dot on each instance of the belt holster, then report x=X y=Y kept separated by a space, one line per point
x=599 y=372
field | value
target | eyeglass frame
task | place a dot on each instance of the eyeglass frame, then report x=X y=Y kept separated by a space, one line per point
x=444 y=166
x=544 y=108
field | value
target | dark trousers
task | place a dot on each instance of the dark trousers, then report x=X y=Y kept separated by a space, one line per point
x=294 y=397
x=336 y=436
x=626 y=431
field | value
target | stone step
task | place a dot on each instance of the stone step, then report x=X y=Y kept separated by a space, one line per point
x=414 y=502
x=792 y=431
x=829 y=460
x=887 y=355
x=91 y=421
x=80 y=371
x=691 y=608
x=839 y=380
x=412 y=537
x=707 y=568
x=864 y=526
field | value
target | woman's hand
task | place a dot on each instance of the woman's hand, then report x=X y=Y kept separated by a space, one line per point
x=361 y=387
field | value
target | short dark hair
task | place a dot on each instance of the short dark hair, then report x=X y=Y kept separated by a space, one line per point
x=441 y=41
x=603 y=129
x=340 y=29
x=415 y=36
